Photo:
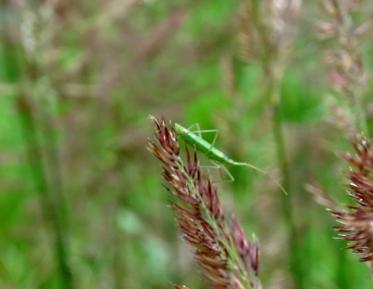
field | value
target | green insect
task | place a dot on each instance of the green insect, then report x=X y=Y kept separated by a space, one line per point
x=213 y=153
x=207 y=148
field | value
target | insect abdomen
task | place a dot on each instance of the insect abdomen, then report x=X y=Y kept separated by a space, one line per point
x=203 y=146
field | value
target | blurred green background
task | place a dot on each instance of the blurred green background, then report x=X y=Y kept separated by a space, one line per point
x=81 y=201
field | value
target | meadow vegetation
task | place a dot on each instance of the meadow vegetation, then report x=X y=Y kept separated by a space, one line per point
x=285 y=83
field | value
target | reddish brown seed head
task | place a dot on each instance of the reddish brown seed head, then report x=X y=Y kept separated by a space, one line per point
x=217 y=243
x=356 y=222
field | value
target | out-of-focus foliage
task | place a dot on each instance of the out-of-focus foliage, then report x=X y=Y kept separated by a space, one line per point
x=81 y=201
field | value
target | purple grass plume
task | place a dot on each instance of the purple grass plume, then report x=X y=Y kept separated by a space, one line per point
x=345 y=61
x=356 y=221
x=228 y=259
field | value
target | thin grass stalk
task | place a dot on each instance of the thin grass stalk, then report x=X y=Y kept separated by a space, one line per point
x=51 y=160
x=48 y=203
x=40 y=134
x=272 y=53
x=273 y=95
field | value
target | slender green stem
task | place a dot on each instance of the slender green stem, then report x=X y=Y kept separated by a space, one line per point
x=37 y=159
x=49 y=205
x=286 y=201
x=271 y=62
x=274 y=99
x=52 y=174
x=361 y=119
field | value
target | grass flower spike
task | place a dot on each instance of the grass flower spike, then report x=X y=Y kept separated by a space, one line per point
x=227 y=258
x=345 y=61
x=356 y=222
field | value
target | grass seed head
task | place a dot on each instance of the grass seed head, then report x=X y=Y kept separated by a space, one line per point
x=356 y=222
x=227 y=258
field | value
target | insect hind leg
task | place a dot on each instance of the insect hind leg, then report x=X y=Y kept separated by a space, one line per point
x=211 y=167
x=227 y=172
x=222 y=171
